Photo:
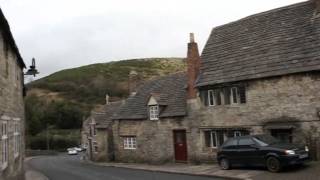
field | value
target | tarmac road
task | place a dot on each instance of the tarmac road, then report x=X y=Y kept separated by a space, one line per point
x=64 y=167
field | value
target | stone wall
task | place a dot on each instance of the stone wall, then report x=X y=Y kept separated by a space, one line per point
x=154 y=139
x=102 y=142
x=293 y=99
x=11 y=109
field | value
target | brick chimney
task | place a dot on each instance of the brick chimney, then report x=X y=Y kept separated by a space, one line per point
x=133 y=82
x=193 y=62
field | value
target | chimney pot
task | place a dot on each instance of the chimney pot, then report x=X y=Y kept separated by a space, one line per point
x=107 y=99
x=191 y=38
x=133 y=82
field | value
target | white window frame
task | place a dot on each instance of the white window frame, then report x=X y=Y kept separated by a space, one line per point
x=209 y=98
x=16 y=139
x=237 y=134
x=4 y=144
x=92 y=130
x=130 y=142
x=232 y=95
x=213 y=134
x=154 y=112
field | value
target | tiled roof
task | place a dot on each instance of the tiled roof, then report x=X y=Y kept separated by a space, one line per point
x=104 y=118
x=8 y=38
x=171 y=92
x=277 y=42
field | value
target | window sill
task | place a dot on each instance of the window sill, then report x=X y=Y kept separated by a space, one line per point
x=16 y=155
x=226 y=106
x=4 y=166
x=129 y=148
x=209 y=149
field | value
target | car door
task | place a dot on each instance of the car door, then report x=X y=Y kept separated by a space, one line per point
x=229 y=149
x=247 y=151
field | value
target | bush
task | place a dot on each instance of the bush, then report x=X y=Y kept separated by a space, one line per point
x=58 y=140
x=61 y=143
x=37 y=142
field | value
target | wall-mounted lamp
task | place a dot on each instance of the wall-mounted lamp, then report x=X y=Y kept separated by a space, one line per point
x=32 y=71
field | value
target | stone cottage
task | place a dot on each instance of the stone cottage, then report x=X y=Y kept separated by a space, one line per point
x=12 y=115
x=261 y=74
x=152 y=126
x=97 y=132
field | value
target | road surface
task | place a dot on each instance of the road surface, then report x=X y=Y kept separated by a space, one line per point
x=64 y=167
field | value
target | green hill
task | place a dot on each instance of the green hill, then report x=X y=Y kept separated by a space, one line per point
x=62 y=100
x=89 y=84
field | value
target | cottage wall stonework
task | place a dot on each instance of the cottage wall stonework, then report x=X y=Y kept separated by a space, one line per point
x=101 y=138
x=154 y=139
x=293 y=99
x=11 y=110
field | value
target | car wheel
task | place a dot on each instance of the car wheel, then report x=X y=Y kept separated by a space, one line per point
x=273 y=164
x=224 y=164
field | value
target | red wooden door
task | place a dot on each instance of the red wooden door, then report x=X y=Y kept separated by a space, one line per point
x=180 y=145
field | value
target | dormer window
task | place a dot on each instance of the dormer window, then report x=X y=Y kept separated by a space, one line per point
x=154 y=112
x=155 y=101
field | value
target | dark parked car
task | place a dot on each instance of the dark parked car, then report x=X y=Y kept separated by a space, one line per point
x=260 y=150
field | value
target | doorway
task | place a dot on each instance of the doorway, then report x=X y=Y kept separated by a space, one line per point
x=180 y=145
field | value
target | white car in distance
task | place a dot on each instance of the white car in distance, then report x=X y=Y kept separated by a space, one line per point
x=72 y=151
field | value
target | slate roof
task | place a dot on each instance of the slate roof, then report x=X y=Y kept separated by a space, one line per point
x=277 y=42
x=171 y=92
x=8 y=38
x=104 y=118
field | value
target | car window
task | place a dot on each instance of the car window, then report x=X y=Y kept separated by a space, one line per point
x=246 y=142
x=261 y=143
x=229 y=143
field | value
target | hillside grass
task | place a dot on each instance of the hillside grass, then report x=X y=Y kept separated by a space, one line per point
x=64 y=99
x=89 y=84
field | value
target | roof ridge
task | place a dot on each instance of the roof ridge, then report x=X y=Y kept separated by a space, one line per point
x=283 y=41
x=262 y=13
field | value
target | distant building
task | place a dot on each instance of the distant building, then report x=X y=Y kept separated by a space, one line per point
x=97 y=134
x=12 y=117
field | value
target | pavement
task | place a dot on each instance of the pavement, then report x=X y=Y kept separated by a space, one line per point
x=34 y=175
x=309 y=171
x=31 y=174
x=205 y=170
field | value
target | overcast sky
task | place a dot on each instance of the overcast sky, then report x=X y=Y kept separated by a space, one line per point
x=63 y=34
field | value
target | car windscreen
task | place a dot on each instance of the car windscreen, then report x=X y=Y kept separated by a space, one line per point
x=265 y=140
